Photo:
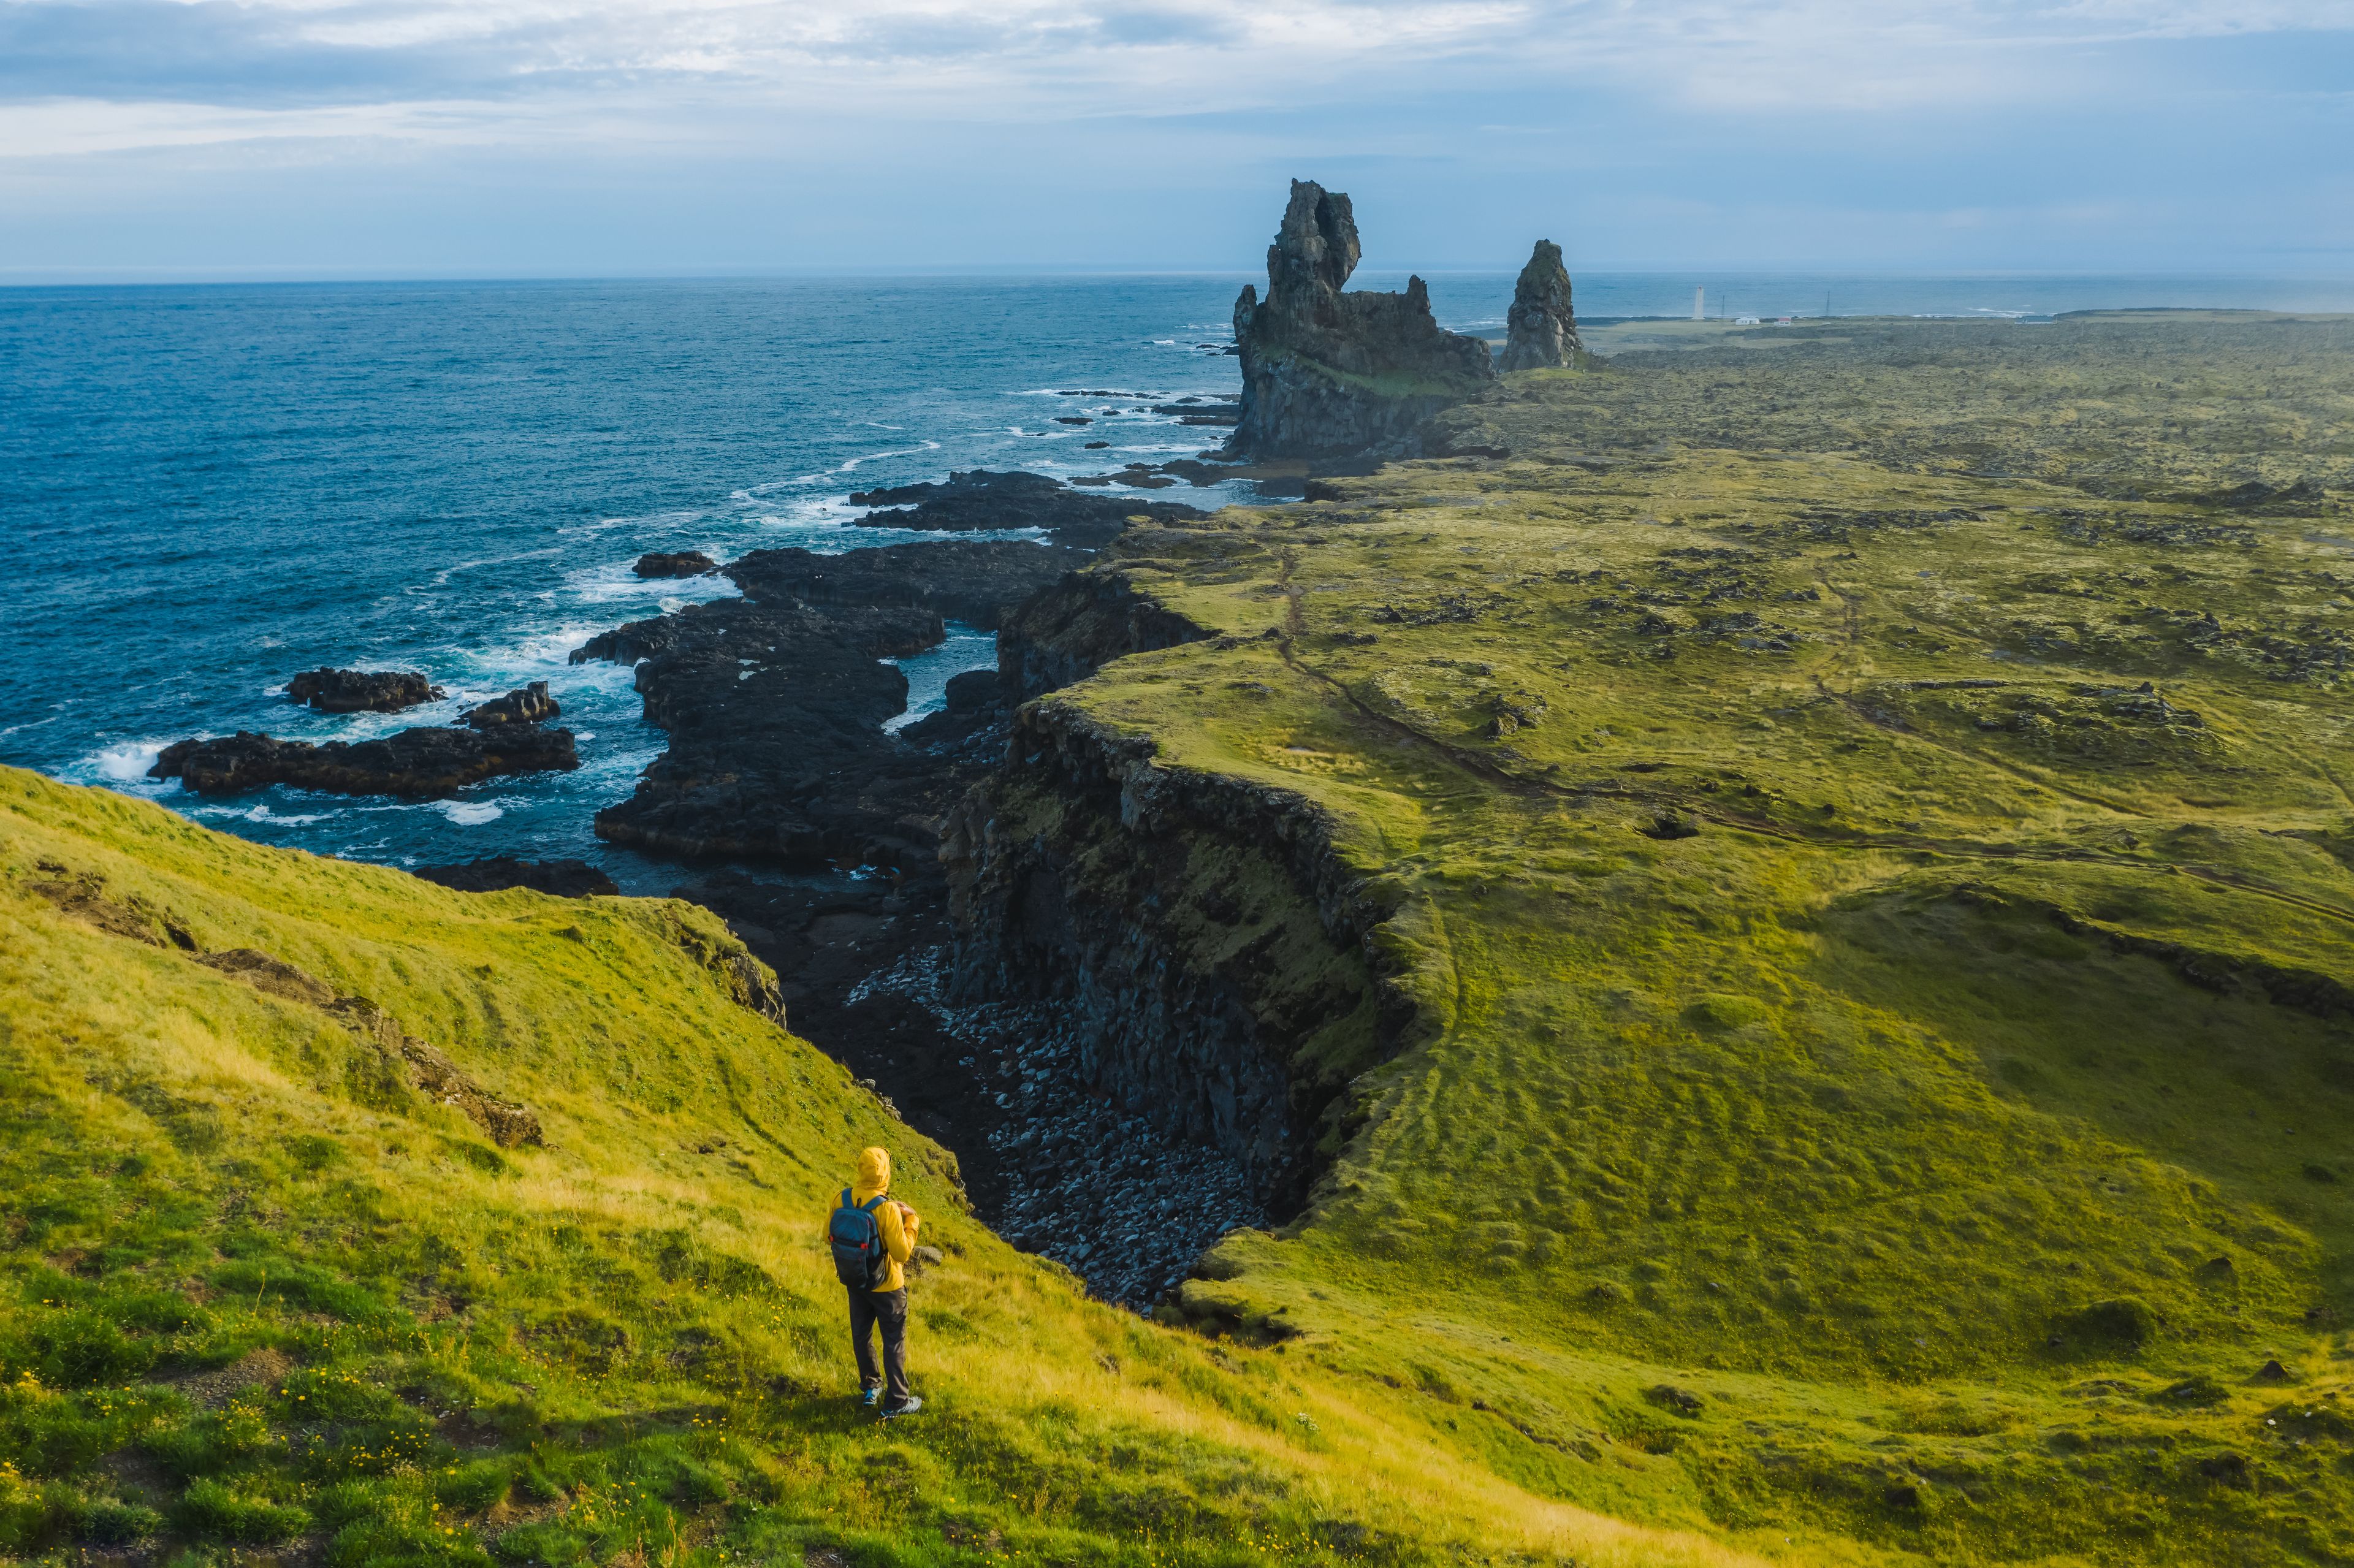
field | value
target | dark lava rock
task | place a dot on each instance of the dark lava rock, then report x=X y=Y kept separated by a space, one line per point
x=1073 y=420
x=1137 y=478
x=563 y=878
x=973 y=691
x=524 y=704
x=2302 y=498
x=981 y=500
x=1541 y=329
x=1097 y=446
x=978 y=581
x=2271 y=1371
x=676 y=563
x=361 y=691
x=1326 y=372
x=414 y=762
x=775 y=711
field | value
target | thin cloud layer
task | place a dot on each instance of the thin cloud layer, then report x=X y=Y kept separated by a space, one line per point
x=2111 y=126
x=1034 y=57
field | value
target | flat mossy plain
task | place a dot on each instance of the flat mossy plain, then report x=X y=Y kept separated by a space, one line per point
x=1854 y=1116
x=1880 y=912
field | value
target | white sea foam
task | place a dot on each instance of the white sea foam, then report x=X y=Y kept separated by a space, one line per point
x=262 y=814
x=128 y=762
x=470 y=813
x=877 y=457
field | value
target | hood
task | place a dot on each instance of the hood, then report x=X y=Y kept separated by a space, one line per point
x=874 y=1173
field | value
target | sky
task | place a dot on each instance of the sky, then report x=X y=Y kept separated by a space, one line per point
x=150 y=140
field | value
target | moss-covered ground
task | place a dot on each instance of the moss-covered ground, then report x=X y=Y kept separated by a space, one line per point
x=1880 y=1090
x=1866 y=816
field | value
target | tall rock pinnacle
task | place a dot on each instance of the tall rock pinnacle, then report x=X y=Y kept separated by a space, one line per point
x=1542 y=331
x=1328 y=373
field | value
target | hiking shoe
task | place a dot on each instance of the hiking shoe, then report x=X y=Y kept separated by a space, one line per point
x=870 y=1397
x=906 y=1407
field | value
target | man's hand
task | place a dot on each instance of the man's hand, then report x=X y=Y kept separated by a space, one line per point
x=912 y=1220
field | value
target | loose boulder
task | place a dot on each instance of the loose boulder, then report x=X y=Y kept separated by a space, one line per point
x=524 y=704
x=676 y=563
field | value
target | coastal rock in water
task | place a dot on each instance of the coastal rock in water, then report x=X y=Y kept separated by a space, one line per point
x=978 y=581
x=1332 y=374
x=1543 y=333
x=979 y=500
x=675 y=563
x=563 y=878
x=524 y=704
x=415 y=763
x=775 y=711
x=361 y=691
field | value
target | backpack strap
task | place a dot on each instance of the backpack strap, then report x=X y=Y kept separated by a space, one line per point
x=871 y=1205
x=845 y=1199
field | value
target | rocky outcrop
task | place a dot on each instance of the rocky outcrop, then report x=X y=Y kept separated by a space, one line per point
x=524 y=704
x=982 y=501
x=1331 y=373
x=1091 y=619
x=775 y=711
x=415 y=763
x=1541 y=329
x=562 y=878
x=675 y=563
x=361 y=691
x=1134 y=897
x=976 y=581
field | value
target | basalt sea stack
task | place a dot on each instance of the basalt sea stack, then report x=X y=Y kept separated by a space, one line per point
x=1543 y=333
x=1328 y=373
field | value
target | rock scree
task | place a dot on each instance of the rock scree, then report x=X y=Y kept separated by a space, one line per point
x=1329 y=374
x=778 y=763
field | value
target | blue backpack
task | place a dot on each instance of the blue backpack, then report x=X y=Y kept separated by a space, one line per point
x=859 y=1257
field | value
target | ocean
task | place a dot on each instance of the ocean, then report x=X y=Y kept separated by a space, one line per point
x=207 y=490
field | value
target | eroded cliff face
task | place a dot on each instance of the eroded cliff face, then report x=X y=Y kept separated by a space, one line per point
x=1208 y=950
x=1065 y=634
x=1329 y=373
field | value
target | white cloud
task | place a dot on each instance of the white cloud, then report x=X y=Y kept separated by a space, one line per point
x=213 y=69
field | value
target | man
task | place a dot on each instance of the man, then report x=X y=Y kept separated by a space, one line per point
x=871 y=1237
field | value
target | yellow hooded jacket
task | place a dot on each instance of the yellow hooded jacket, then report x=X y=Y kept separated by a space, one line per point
x=874 y=1179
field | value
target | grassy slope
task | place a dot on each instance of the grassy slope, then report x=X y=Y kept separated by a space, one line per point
x=256 y=1292
x=1880 y=1113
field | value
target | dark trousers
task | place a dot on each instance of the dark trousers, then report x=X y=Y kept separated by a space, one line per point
x=888 y=1308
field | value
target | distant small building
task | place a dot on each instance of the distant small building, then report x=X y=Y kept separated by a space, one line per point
x=1747 y=321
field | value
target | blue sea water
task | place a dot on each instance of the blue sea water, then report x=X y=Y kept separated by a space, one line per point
x=206 y=490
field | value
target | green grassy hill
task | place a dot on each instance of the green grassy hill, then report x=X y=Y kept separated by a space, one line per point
x=1863 y=823
x=287 y=1267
